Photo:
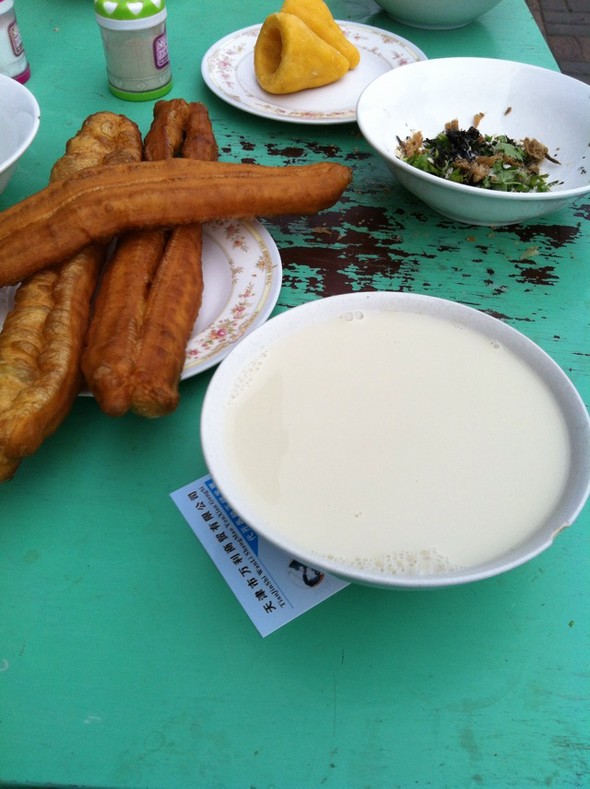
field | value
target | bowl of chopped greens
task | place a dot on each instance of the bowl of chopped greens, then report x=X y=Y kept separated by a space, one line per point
x=436 y=14
x=479 y=140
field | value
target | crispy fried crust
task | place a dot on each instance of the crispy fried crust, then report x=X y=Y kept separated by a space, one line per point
x=174 y=303
x=166 y=134
x=176 y=294
x=104 y=138
x=199 y=141
x=42 y=338
x=41 y=353
x=152 y=289
x=100 y=203
x=117 y=325
x=108 y=359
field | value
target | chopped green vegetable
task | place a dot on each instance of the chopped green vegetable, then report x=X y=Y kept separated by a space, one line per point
x=486 y=161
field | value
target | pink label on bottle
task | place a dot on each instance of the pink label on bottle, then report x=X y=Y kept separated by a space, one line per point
x=161 y=58
x=15 y=39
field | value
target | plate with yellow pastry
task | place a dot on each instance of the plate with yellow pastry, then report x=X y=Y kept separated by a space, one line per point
x=271 y=69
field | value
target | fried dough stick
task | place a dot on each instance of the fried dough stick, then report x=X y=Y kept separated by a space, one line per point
x=166 y=134
x=116 y=326
x=42 y=338
x=150 y=294
x=101 y=203
x=175 y=297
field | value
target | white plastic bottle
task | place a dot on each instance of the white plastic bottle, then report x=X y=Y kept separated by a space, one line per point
x=13 y=60
x=136 y=47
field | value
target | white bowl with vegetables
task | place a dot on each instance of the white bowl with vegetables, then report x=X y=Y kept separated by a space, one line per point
x=436 y=14
x=499 y=101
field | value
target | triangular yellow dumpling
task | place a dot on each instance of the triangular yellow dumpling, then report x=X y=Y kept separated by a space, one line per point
x=289 y=56
x=318 y=17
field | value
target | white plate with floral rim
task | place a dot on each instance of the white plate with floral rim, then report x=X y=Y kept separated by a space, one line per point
x=228 y=70
x=242 y=272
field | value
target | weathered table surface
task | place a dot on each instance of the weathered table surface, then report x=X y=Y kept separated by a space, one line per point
x=125 y=660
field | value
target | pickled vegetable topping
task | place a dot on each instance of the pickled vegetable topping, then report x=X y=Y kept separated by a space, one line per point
x=486 y=161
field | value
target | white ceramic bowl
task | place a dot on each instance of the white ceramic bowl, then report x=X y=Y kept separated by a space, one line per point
x=19 y=123
x=517 y=99
x=436 y=14
x=422 y=460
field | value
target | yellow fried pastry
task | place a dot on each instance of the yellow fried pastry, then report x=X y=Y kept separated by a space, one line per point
x=103 y=202
x=289 y=56
x=42 y=338
x=151 y=289
x=176 y=293
x=318 y=17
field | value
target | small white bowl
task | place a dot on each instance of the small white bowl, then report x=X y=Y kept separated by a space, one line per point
x=19 y=122
x=436 y=14
x=517 y=99
x=439 y=435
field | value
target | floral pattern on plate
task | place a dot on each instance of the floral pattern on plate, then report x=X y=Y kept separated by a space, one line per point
x=228 y=70
x=243 y=274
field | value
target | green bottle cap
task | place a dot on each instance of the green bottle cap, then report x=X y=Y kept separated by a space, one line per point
x=128 y=10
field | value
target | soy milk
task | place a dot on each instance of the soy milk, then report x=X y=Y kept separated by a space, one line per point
x=396 y=441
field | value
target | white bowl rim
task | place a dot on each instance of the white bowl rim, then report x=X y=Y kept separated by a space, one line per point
x=577 y=419
x=461 y=17
x=474 y=192
x=36 y=113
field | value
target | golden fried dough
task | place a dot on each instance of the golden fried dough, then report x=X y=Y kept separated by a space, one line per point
x=43 y=335
x=115 y=329
x=152 y=289
x=176 y=295
x=103 y=202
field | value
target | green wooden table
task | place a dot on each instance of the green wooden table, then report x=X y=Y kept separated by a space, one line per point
x=125 y=660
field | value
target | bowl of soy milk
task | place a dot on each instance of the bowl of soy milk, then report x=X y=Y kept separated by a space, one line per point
x=397 y=440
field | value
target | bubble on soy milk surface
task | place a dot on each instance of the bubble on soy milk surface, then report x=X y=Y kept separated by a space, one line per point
x=246 y=377
x=425 y=562
x=353 y=315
